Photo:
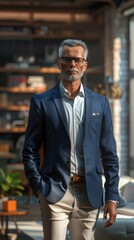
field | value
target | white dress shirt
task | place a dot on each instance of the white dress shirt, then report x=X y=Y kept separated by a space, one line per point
x=74 y=110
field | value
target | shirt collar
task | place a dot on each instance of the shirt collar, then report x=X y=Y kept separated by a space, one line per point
x=64 y=92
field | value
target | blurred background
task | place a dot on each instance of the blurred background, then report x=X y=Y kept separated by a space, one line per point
x=30 y=33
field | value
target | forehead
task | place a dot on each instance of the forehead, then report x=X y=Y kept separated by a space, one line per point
x=77 y=51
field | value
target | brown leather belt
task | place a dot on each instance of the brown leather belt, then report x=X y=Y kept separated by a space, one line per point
x=77 y=179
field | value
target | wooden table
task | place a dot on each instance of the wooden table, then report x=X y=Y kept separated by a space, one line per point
x=4 y=215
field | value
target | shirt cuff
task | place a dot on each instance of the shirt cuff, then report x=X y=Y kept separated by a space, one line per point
x=116 y=202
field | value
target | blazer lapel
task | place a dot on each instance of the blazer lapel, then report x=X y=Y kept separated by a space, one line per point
x=60 y=108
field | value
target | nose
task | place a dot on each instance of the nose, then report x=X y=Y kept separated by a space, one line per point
x=72 y=62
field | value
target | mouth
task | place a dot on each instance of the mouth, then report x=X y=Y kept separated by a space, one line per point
x=71 y=71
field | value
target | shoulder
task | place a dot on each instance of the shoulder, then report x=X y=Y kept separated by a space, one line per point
x=45 y=95
x=97 y=101
x=95 y=95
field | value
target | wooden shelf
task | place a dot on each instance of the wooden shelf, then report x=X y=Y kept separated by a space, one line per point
x=21 y=35
x=14 y=108
x=54 y=35
x=53 y=70
x=13 y=130
x=22 y=89
x=45 y=70
x=6 y=155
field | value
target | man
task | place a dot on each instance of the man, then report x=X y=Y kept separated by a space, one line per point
x=75 y=126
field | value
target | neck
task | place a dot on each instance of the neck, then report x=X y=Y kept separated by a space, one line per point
x=72 y=87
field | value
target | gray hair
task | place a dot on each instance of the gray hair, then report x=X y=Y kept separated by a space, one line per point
x=73 y=43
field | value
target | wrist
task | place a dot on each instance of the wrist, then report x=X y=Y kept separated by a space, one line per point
x=113 y=201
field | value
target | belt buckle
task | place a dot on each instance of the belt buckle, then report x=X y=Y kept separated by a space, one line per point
x=77 y=179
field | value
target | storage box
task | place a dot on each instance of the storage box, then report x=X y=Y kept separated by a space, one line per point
x=10 y=205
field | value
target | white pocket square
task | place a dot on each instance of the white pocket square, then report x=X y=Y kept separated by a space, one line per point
x=95 y=114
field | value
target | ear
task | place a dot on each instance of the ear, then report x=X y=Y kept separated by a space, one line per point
x=85 y=66
x=58 y=64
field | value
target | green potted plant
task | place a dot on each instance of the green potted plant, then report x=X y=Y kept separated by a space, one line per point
x=10 y=186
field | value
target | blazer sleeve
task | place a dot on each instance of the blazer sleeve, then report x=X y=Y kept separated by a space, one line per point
x=32 y=144
x=109 y=156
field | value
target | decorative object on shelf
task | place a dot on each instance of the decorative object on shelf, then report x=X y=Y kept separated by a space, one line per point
x=3 y=99
x=4 y=147
x=113 y=91
x=25 y=62
x=18 y=123
x=100 y=89
x=36 y=82
x=42 y=30
x=50 y=54
x=8 y=120
x=11 y=186
x=5 y=121
x=23 y=116
x=15 y=80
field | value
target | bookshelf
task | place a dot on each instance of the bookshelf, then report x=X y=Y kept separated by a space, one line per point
x=21 y=41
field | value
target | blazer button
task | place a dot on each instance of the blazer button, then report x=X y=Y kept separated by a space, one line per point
x=68 y=162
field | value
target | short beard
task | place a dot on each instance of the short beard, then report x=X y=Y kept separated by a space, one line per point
x=71 y=78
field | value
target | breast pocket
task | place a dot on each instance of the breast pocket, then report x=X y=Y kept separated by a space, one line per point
x=96 y=123
x=96 y=115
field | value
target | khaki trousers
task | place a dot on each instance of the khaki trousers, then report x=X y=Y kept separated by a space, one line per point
x=73 y=211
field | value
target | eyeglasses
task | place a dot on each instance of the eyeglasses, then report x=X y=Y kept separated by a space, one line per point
x=68 y=60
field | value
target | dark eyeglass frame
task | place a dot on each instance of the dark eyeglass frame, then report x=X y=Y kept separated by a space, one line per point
x=68 y=60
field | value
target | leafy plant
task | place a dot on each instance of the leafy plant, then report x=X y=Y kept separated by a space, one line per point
x=10 y=184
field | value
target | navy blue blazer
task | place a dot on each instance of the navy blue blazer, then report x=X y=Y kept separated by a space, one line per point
x=47 y=124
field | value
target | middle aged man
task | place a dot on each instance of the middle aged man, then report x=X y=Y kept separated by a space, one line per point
x=75 y=126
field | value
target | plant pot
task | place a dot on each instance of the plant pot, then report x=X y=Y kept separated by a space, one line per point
x=10 y=205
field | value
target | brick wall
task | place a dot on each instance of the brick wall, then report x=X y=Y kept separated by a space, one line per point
x=116 y=65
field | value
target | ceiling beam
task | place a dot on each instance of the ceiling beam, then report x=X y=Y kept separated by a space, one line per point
x=44 y=9
x=72 y=6
x=127 y=4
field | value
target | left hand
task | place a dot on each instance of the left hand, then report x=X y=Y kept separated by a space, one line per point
x=111 y=210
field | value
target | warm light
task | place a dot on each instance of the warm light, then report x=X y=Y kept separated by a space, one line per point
x=116 y=59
